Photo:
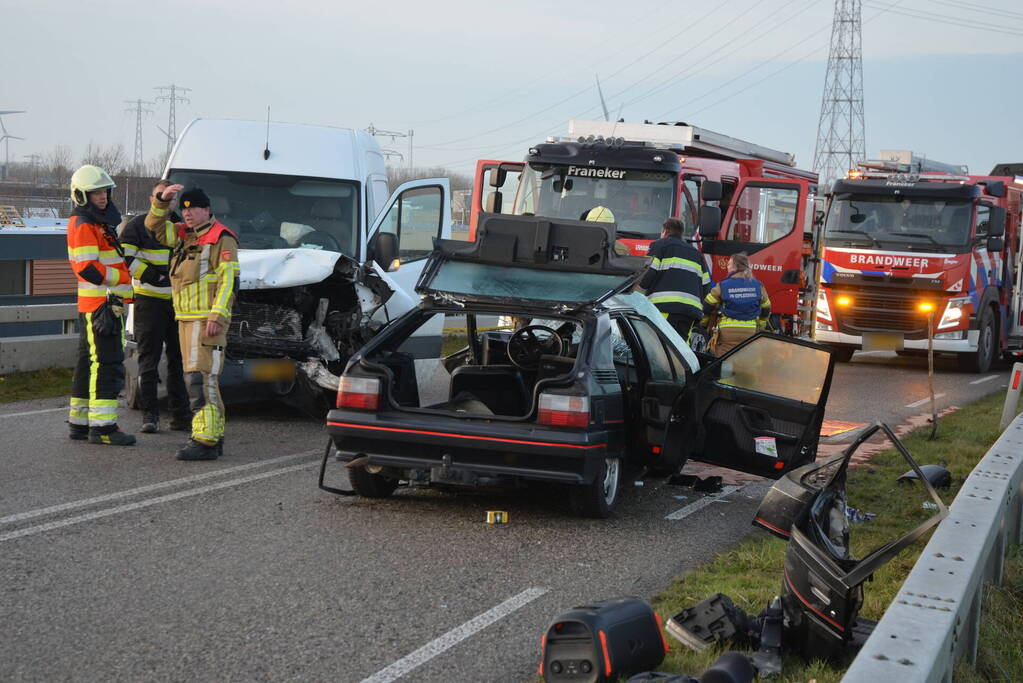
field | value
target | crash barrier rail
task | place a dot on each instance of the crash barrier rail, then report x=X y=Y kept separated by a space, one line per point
x=1012 y=395
x=20 y=354
x=935 y=618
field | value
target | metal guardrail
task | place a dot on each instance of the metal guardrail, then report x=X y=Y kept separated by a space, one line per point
x=935 y=618
x=21 y=354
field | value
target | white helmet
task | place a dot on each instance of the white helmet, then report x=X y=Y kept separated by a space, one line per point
x=89 y=179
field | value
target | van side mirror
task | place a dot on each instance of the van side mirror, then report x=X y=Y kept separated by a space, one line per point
x=384 y=251
x=494 y=202
x=995 y=188
x=710 y=191
x=995 y=244
x=710 y=222
x=497 y=177
x=996 y=223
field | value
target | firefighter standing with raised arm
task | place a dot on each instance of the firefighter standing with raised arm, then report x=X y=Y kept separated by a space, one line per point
x=743 y=303
x=103 y=284
x=676 y=279
x=204 y=277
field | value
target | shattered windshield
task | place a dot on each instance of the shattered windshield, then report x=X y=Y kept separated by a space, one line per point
x=478 y=280
x=639 y=201
x=269 y=211
x=923 y=224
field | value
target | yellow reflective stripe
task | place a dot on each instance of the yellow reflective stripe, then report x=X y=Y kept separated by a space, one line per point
x=91 y=290
x=112 y=276
x=137 y=267
x=124 y=291
x=170 y=234
x=675 y=298
x=679 y=263
x=76 y=401
x=157 y=258
x=93 y=357
x=732 y=322
x=83 y=253
x=766 y=302
x=157 y=211
x=228 y=271
x=155 y=292
x=712 y=299
x=129 y=249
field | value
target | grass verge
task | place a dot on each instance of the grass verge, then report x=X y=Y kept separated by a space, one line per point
x=1000 y=655
x=22 y=386
x=751 y=572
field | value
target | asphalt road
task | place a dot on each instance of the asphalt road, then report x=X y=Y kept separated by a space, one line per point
x=125 y=564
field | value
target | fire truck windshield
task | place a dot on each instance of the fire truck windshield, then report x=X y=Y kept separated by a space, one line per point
x=639 y=201
x=915 y=223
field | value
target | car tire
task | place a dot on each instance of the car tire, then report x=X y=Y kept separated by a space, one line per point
x=598 y=498
x=842 y=354
x=987 y=343
x=369 y=485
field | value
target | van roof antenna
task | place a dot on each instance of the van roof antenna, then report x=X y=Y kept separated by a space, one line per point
x=266 y=149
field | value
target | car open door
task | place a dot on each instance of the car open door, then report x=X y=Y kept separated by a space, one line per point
x=416 y=212
x=768 y=219
x=493 y=189
x=757 y=409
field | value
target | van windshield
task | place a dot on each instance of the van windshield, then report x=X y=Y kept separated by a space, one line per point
x=269 y=211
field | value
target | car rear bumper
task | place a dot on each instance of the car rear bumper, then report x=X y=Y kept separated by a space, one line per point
x=521 y=450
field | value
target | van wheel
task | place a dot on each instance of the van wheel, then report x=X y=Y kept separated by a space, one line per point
x=370 y=485
x=597 y=498
x=842 y=354
x=987 y=343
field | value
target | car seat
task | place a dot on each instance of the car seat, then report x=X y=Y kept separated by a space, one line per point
x=499 y=387
x=326 y=215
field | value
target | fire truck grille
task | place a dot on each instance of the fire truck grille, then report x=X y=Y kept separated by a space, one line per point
x=883 y=313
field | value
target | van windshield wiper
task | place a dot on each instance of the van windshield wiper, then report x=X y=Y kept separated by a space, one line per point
x=918 y=234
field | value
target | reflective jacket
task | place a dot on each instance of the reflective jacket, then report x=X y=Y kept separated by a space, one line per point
x=148 y=259
x=741 y=302
x=92 y=249
x=203 y=266
x=677 y=278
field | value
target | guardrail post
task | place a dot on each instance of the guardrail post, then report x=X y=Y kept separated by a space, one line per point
x=1012 y=395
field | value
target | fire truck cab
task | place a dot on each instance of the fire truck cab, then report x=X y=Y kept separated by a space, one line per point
x=644 y=173
x=914 y=249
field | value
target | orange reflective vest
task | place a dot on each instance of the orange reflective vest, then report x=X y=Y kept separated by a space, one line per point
x=97 y=264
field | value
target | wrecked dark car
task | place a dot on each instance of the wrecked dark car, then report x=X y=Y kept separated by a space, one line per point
x=552 y=372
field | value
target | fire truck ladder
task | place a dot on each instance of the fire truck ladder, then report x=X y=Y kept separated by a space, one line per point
x=677 y=137
x=10 y=218
x=812 y=260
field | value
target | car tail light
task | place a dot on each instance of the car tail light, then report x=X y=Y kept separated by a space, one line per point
x=559 y=410
x=360 y=393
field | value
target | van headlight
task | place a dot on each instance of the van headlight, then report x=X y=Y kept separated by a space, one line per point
x=955 y=312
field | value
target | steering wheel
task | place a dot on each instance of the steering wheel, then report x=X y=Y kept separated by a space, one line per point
x=321 y=238
x=528 y=343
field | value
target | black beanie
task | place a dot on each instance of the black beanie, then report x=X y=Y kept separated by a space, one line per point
x=193 y=198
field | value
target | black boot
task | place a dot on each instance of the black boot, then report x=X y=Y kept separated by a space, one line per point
x=78 y=432
x=182 y=422
x=150 y=423
x=114 y=438
x=196 y=450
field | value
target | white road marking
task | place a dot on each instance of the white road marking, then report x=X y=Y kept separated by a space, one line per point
x=129 y=493
x=985 y=379
x=454 y=637
x=34 y=412
x=682 y=513
x=917 y=404
x=187 y=493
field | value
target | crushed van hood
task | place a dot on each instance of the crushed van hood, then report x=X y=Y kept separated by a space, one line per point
x=274 y=268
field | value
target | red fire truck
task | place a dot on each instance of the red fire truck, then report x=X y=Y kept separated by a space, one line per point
x=908 y=240
x=644 y=173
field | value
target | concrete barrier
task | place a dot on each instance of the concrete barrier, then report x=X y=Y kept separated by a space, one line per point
x=21 y=354
x=935 y=618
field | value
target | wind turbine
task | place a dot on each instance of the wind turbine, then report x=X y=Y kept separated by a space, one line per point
x=6 y=138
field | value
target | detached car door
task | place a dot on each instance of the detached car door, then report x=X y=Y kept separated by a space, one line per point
x=757 y=409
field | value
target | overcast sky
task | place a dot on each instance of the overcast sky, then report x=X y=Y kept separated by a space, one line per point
x=486 y=80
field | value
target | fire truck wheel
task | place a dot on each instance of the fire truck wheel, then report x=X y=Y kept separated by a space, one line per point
x=842 y=354
x=987 y=341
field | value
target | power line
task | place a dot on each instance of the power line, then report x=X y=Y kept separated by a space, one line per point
x=138 y=109
x=952 y=21
x=961 y=4
x=173 y=98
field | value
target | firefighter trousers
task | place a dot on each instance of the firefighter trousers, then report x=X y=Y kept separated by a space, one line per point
x=155 y=328
x=203 y=360
x=98 y=378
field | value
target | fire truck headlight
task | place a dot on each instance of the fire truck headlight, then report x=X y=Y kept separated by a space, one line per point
x=823 y=310
x=954 y=313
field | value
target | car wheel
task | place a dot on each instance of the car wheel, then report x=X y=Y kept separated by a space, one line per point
x=369 y=485
x=987 y=341
x=597 y=498
x=843 y=354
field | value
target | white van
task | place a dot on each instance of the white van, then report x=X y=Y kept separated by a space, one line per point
x=327 y=256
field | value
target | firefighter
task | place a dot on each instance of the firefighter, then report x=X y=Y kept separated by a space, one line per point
x=103 y=285
x=602 y=214
x=744 y=307
x=204 y=278
x=153 y=324
x=676 y=278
